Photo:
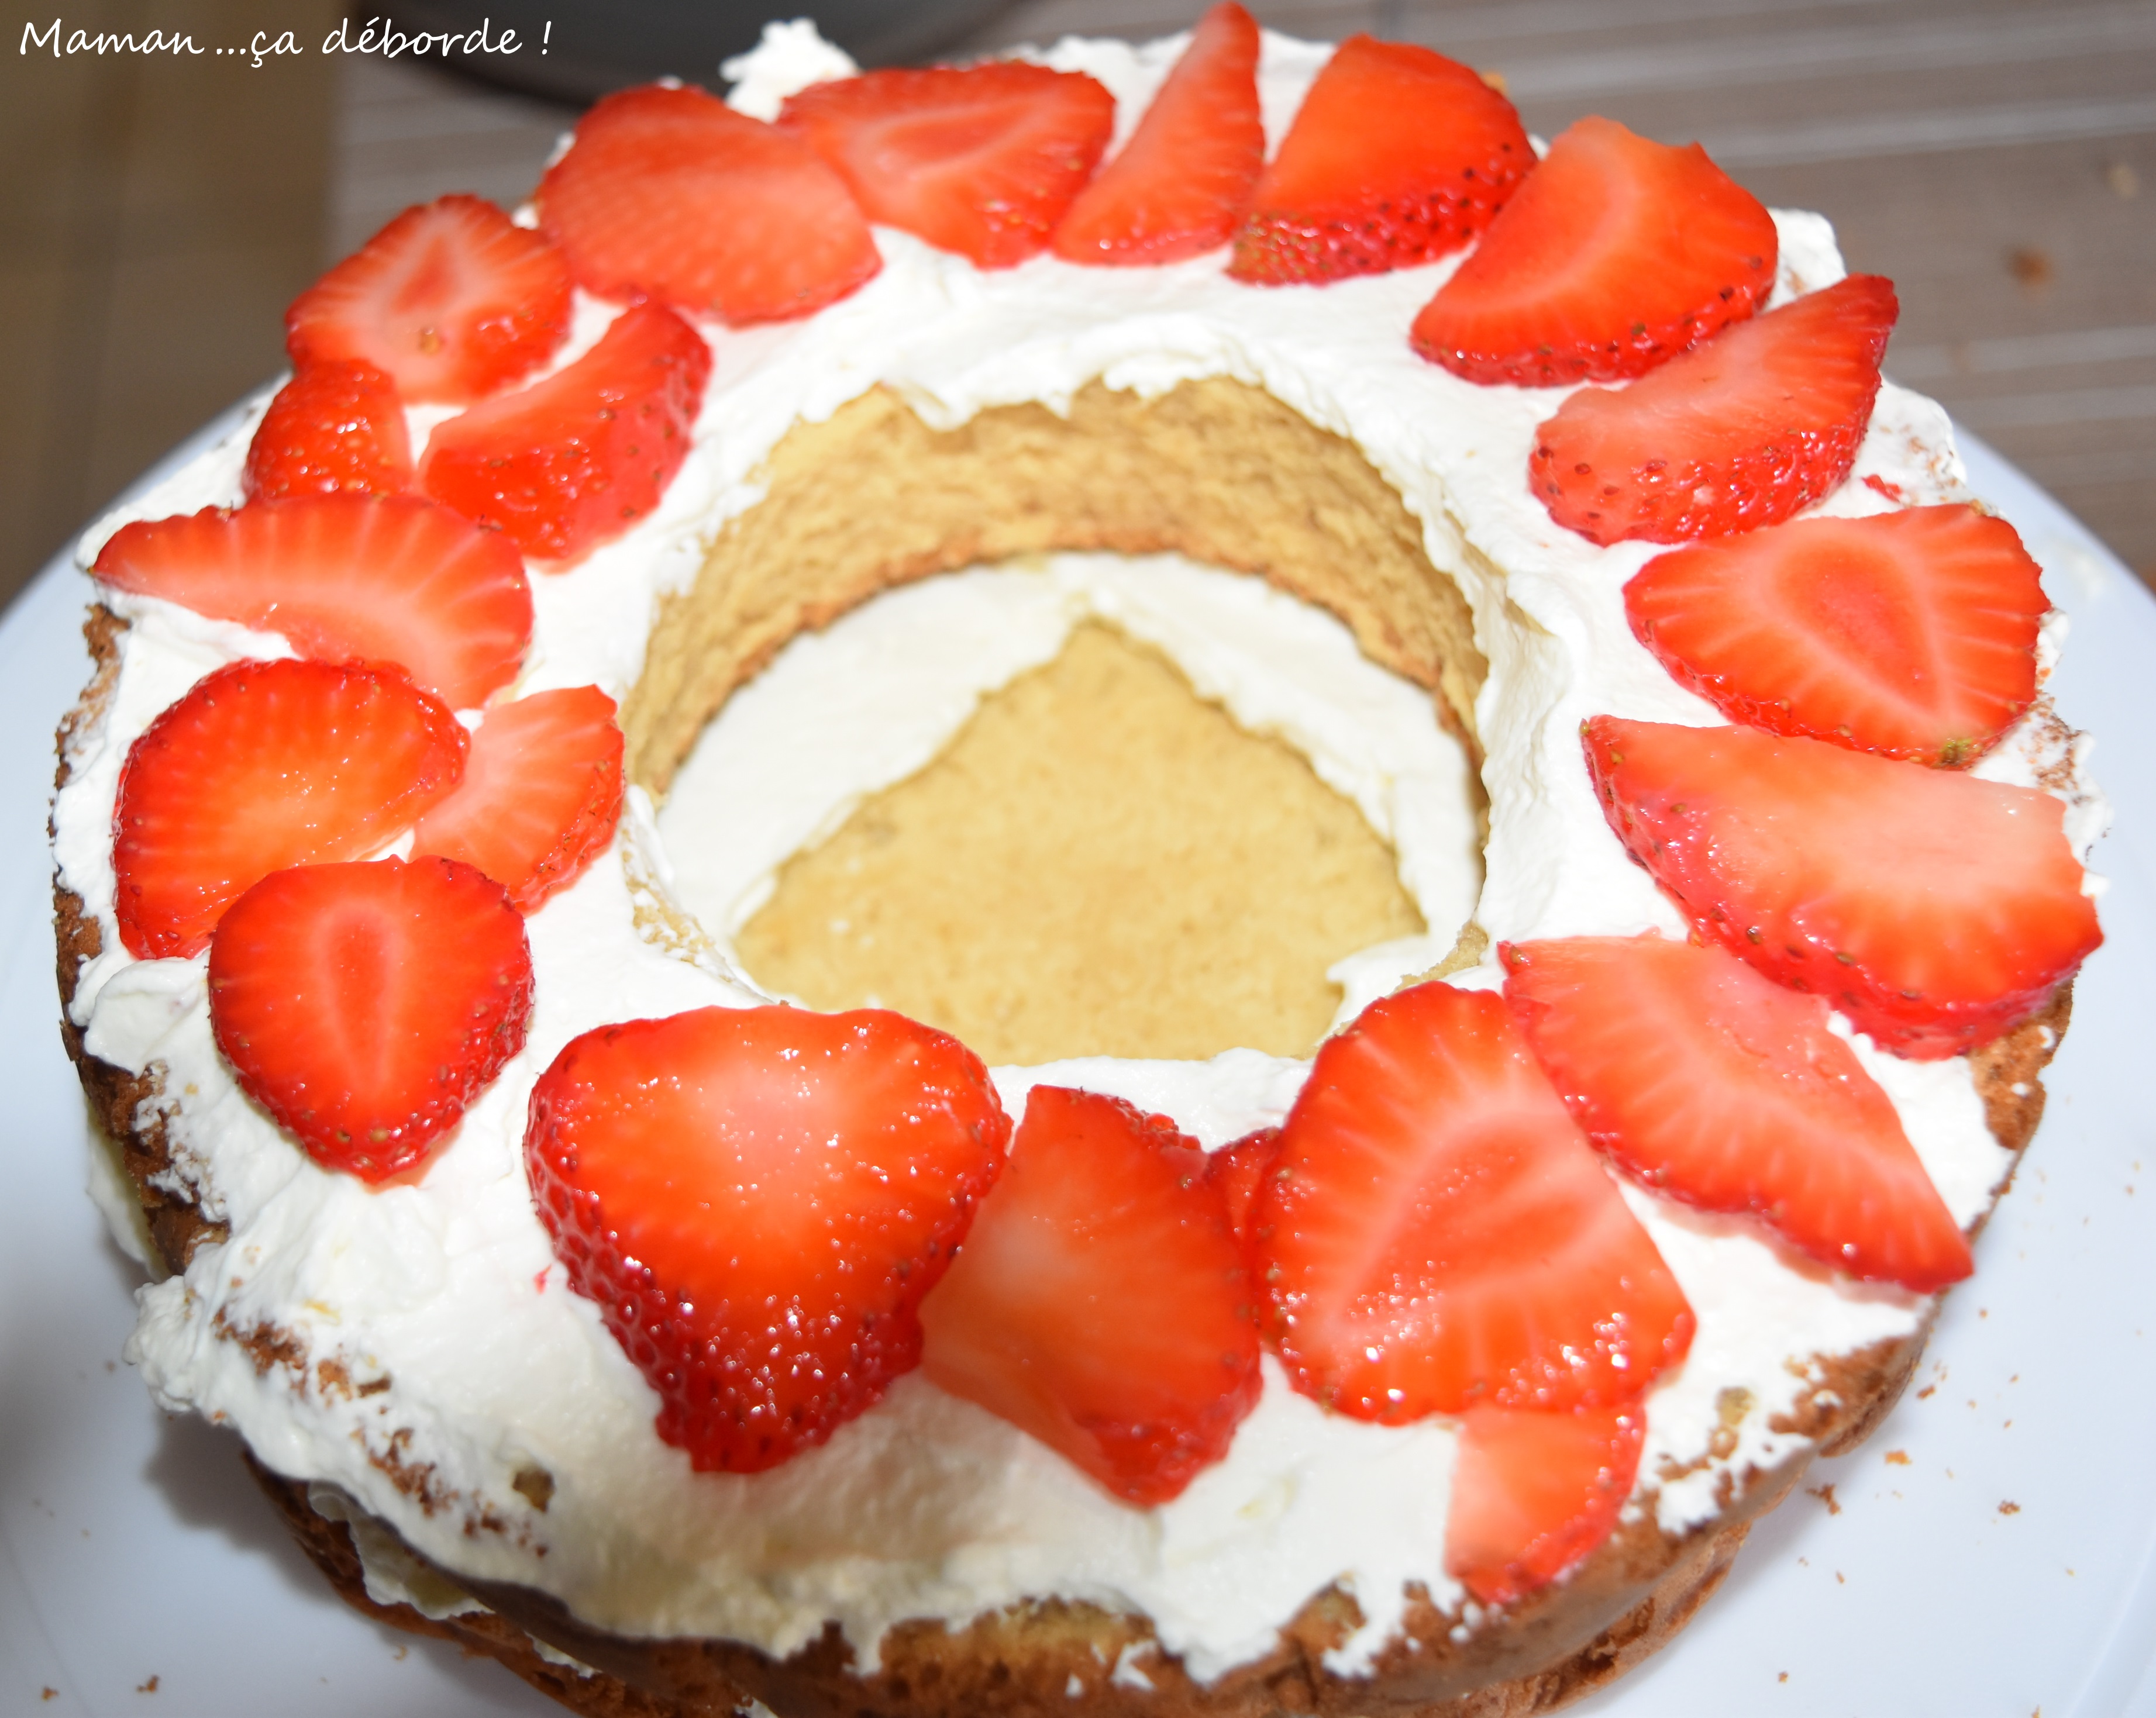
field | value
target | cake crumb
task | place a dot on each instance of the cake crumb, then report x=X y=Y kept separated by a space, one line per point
x=1841 y=1579
x=149 y=1687
x=1899 y=1458
x=1924 y=1394
x=48 y=1694
x=2009 y=1508
x=1784 y=1677
x=1825 y=1494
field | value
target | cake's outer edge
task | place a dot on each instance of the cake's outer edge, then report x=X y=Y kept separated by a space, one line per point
x=1621 y=1605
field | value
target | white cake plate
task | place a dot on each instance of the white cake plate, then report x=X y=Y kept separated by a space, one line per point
x=1992 y=1550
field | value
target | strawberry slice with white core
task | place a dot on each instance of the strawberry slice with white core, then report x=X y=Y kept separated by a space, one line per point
x=983 y=160
x=1709 y=1082
x=669 y=193
x=1441 y=1235
x=1744 y=431
x=264 y=765
x=540 y=794
x=1534 y=1492
x=365 y=1006
x=1397 y=156
x=574 y=460
x=1910 y=633
x=1101 y=1302
x=1615 y=253
x=1182 y=184
x=344 y=578
x=757 y=1198
x=452 y=301
x=334 y=427
x=1936 y=909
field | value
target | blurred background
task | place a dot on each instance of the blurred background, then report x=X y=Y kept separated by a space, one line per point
x=1997 y=158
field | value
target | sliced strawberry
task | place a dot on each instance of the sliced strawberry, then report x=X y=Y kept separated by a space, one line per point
x=1239 y=1170
x=670 y=192
x=1710 y=1083
x=1101 y=1302
x=1913 y=633
x=333 y=427
x=1617 y=253
x=982 y=160
x=261 y=766
x=1182 y=184
x=364 y=1006
x=1533 y=1493
x=395 y=579
x=452 y=300
x=574 y=460
x=1935 y=909
x=540 y=795
x=757 y=1198
x=1442 y=1235
x=1762 y=420
x=1397 y=156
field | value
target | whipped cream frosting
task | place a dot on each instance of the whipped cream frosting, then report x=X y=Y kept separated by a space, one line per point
x=415 y=1348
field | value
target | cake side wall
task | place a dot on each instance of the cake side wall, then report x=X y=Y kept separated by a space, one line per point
x=1214 y=470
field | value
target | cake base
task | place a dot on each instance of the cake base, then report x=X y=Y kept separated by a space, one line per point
x=870 y=498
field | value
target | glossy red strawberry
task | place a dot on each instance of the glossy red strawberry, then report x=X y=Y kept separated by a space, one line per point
x=1101 y=1302
x=264 y=765
x=983 y=160
x=1240 y=1170
x=1534 y=1492
x=395 y=579
x=1710 y=1083
x=1761 y=420
x=574 y=460
x=669 y=193
x=452 y=301
x=1910 y=634
x=1616 y=253
x=757 y=1198
x=1935 y=909
x=540 y=794
x=1182 y=184
x=1441 y=1235
x=365 y=1006
x=1397 y=156
x=335 y=428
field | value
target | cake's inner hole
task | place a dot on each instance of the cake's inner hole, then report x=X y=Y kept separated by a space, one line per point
x=974 y=801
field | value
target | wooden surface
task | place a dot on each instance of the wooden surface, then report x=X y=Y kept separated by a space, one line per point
x=1997 y=158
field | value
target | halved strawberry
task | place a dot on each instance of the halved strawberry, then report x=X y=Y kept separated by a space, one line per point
x=670 y=192
x=1913 y=633
x=575 y=459
x=1397 y=156
x=757 y=1198
x=1710 y=1083
x=540 y=795
x=1533 y=1493
x=1182 y=184
x=1101 y=1302
x=1442 y=1236
x=452 y=300
x=983 y=160
x=334 y=427
x=369 y=578
x=1616 y=253
x=264 y=765
x=1239 y=1170
x=364 y=1006
x=1935 y=909
x=1761 y=420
